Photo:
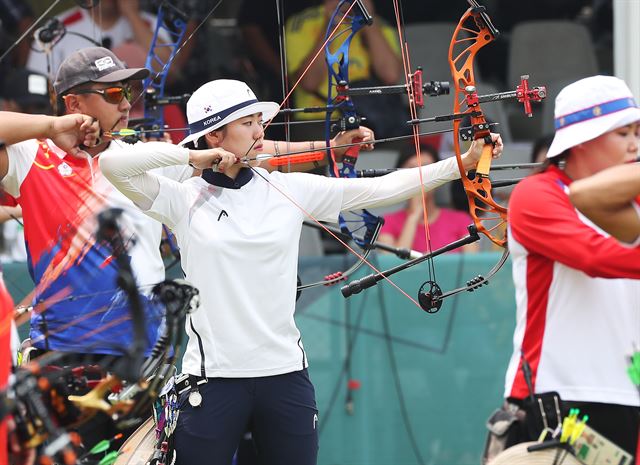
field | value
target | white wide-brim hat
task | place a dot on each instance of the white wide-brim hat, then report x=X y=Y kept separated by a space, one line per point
x=589 y=108
x=220 y=102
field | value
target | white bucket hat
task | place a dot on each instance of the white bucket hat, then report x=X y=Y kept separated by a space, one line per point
x=220 y=102
x=589 y=108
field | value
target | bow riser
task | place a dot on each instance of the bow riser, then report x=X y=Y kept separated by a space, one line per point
x=473 y=32
x=338 y=85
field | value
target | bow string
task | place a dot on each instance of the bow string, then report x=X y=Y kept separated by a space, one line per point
x=355 y=11
x=474 y=31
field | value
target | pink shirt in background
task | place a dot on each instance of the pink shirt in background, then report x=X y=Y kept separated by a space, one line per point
x=450 y=225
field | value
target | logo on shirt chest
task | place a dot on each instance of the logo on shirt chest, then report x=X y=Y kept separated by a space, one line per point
x=64 y=169
x=222 y=213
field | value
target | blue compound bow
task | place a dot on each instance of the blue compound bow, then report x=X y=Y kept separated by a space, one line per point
x=338 y=100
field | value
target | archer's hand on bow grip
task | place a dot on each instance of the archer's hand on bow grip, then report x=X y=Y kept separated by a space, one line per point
x=481 y=153
x=352 y=136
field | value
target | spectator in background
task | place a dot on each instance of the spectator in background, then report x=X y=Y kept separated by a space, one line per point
x=305 y=33
x=259 y=23
x=23 y=92
x=15 y=18
x=405 y=228
x=540 y=148
x=110 y=23
x=258 y=20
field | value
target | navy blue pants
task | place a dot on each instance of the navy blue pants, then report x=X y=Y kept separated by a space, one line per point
x=280 y=411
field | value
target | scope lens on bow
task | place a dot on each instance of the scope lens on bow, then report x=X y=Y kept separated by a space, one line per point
x=436 y=88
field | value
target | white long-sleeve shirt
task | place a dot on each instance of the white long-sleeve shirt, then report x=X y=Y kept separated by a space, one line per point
x=239 y=248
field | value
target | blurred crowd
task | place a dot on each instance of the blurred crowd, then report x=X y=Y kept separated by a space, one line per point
x=258 y=42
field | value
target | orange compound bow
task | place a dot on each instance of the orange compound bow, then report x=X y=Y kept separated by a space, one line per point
x=474 y=31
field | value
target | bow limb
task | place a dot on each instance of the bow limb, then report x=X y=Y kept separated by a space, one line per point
x=337 y=58
x=336 y=47
x=154 y=85
x=338 y=82
x=473 y=32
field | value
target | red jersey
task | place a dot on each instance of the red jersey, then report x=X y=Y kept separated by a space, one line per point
x=575 y=322
x=6 y=320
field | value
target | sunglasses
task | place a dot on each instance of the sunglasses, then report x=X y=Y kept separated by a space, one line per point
x=112 y=95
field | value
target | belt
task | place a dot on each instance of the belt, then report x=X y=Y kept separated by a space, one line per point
x=185 y=382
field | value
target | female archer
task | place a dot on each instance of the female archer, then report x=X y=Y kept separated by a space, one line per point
x=575 y=324
x=238 y=230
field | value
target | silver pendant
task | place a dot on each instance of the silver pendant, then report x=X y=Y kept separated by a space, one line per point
x=195 y=398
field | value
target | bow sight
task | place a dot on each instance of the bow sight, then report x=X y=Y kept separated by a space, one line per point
x=52 y=32
x=415 y=83
x=152 y=123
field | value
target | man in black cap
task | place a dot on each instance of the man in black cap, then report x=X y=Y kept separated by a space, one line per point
x=25 y=91
x=49 y=164
x=60 y=188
